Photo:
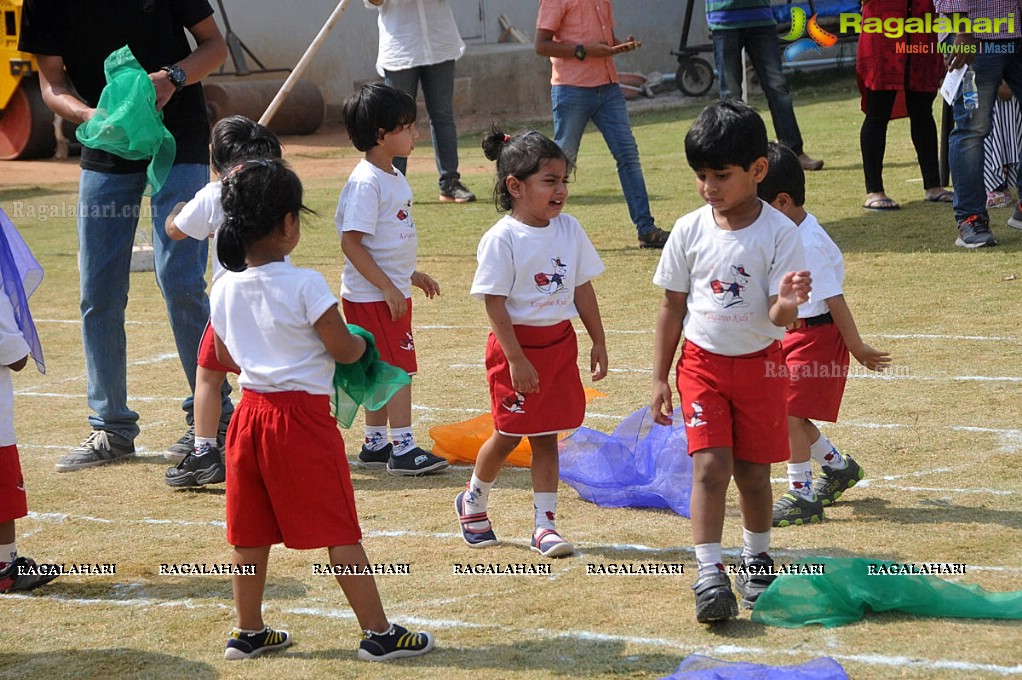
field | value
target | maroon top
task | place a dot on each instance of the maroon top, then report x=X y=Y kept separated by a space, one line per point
x=878 y=64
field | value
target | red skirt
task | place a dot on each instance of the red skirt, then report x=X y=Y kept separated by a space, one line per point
x=560 y=404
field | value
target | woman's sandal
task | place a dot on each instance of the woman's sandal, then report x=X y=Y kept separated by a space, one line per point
x=944 y=196
x=881 y=204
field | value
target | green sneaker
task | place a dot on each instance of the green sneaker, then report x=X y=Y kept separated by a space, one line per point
x=792 y=509
x=833 y=482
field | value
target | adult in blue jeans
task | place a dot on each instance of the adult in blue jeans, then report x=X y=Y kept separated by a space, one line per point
x=578 y=36
x=419 y=43
x=71 y=40
x=750 y=25
x=1000 y=59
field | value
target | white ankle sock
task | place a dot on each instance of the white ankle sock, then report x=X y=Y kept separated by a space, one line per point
x=754 y=543
x=376 y=437
x=800 y=479
x=8 y=553
x=402 y=439
x=824 y=453
x=476 y=498
x=545 y=505
x=199 y=441
x=709 y=559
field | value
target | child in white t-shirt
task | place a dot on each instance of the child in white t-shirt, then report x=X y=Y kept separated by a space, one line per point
x=380 y=244
x=535 y=273
x=733 y=275
x=198 y=454
x=815 y=352
x=287 y=475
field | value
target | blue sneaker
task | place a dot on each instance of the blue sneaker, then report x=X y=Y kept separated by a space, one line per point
x=250 y=645
x=476 y=538
x=549 y=543
x=396 y=643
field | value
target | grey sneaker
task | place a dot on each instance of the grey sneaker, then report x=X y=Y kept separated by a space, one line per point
x=99 y=448
x=456 y=192
x=754 y=576
x=196 y=469
x=791 y=509
x=833 y=482
x=177 y=451
x=715 y=601
x=1015 y=221
x=974 y=232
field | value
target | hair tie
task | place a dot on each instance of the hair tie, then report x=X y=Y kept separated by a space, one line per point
x=507 y=138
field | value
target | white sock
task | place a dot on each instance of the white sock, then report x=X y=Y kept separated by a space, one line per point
x=250 y=632
x=402 y=439
x=800 y=479
x=476 y=498
x=709 y=559
x=199 y=441
x=824 y=453
x=755 y=543
x=376 y=437
x=8 y=553
x=545 y=505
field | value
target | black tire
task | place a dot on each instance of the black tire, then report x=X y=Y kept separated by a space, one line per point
x=694 y=77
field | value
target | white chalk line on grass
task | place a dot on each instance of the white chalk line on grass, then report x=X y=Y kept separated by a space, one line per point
x=28 y=391
x=554 y=634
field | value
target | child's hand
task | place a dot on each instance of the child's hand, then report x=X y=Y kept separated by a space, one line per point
x=795 y=287
x=872 y=358
x=427 y=283
x=396 y=301
x=661 y=405
x=598 y=361
x=524 y=378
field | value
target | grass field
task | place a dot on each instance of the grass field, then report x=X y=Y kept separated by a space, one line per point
x=940 y=442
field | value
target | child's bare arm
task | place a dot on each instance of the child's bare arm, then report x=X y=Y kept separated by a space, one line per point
x=223 y=355
x=351 y=244
x=873 y=359
x=344 y=347
x=524 y=377
x=665 y=345
x=19 y=364
x=427 y=283
x=172 y=229
x=589 y=312
x=793 y=291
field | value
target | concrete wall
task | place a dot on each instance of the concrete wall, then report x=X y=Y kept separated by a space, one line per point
x=279 y=32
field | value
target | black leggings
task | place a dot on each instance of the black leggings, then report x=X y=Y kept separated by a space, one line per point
x=873 y=136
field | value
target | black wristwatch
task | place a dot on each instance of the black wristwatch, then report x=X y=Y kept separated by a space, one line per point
x=176 y=75
x=580 y=52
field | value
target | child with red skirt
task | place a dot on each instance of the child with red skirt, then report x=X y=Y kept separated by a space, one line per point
x=287 y=475
x=535 y=271
x=815 y=352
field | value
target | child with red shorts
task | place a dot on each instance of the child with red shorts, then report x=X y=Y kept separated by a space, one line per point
x=198 y=455
x=535 y=273
x=734 y=274
x=815 y=352
x=378 y=237
x=287 y=475
x=21 y=275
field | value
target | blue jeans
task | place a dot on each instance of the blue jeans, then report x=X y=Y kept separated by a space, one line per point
x=573 y=108
x=764 y=53
x=438 y=91
x=965 y=146
x=109 y=209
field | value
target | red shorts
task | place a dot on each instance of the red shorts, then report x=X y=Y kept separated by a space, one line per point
x=287 y=475
x=13 y=503
x=560 y=404
x=816 y=360
x=207 y=352
x=735 y=402
x=393 y=338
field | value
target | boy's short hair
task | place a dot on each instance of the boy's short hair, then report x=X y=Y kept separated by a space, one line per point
x=373 y=108
x=728 y=132
x=784 y=175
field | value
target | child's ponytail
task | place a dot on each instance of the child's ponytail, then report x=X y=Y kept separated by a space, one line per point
x=519 y=155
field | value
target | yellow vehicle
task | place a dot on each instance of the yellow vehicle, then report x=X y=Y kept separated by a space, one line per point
x=26 y=124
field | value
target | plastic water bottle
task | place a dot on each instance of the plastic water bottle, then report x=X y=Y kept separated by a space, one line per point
x=970 y=95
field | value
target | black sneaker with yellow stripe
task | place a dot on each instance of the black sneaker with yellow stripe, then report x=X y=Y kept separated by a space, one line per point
x=395 y=643
x=243 y=645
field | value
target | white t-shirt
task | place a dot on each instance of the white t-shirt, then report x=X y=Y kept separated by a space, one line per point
x=201 y=218
x=537 y=268
x=12 y=348
x=265 y=317
x=729 y=277
x=416 y=33
x=825 y=264
x=379 y=205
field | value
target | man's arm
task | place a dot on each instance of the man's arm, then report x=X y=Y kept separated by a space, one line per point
x=210 y=52
x=56 y=90
x=546 y=46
